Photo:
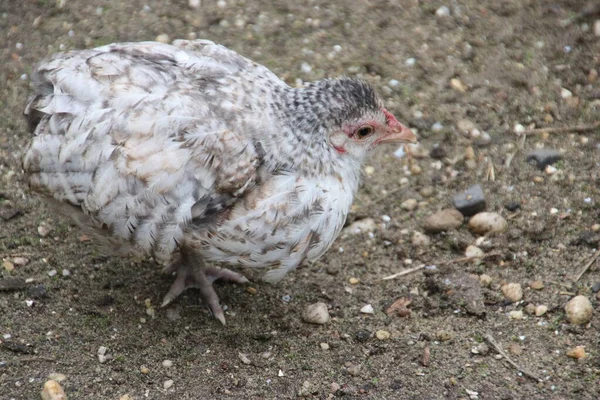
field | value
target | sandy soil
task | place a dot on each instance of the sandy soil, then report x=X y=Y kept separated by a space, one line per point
x=511 y=59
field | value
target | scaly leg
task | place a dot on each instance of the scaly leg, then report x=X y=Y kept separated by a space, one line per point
x=194 y=274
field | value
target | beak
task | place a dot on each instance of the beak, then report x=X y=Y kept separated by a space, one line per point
x=398 y=133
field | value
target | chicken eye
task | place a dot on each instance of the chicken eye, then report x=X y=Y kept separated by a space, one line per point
x=364 y=132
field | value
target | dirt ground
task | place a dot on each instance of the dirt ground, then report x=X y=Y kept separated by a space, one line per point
x=511 y=61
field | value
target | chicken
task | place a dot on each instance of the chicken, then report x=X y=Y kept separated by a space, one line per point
x=191 y=153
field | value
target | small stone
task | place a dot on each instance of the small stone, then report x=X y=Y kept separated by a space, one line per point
x=194 y=3
x=316 y=313
x=126 y=397
x=244 y=358
x=437 y=127
x=540 y=310
x=565 y=93
x=369 y=170
x=353 y=369
x=102 y=354
x=444 y=220
x=513 y=206
x=324 y=346
x=382 y=335
x=168 y=384
x=167 y=363
x=474 y=252
x=485 y=280
x=163 y=38
x=515 y=349
x=518 y=129
x=44 y=230
x=409 y=205
x=465 y=125
x=530 y=308
x=8 y=266
x=20 y=261
x=512 y=292
x=576 y=352
x=367 y=309
x=334 y=266
x=65 y=273
x=361 y=226
x=482 y=349
x=354 y=281
x=471 y=201
x=362 y=335
x=37 y=292
x=579 y=310
x=543 y=157
x=469 y=153
x=593 y=74
x=144 y=370
x=52 y=273
x=487 y=222
x=335 y=387
x=516 y=314
x=420 y=240
x=443 y=11
x=415 y=169
x=53 y=391
x=536 y=285
x=457 y=85
x=444 y=336
x=251 y=290
x=58 y=377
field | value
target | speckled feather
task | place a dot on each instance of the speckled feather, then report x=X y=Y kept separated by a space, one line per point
x=157 y=147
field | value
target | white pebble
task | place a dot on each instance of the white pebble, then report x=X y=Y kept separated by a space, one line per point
x=66 y=272
x=52 y=273
x=393 y=83
x=306 y=68
x=167 y=363
x=7 y=336
x=579 y=310
x=167 y=384
x=19 y=46
x=437 y=127
x=194 y=3
x=565 y=93
x=386 y=218
x=518 y=129
x=443 y=11
x=410 y=62
x=367 y=309
x=553 y=211
x=29 y=303
x=473 y=252
x=337 y=48
x=399 y=153
x=316 y=313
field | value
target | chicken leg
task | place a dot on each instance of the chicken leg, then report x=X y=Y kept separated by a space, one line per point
x=192 y=273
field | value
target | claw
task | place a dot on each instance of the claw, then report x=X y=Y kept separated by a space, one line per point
x=201 y=278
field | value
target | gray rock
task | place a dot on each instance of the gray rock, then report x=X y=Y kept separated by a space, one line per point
x=471 y=201
x=543 y=157
x=443 y=220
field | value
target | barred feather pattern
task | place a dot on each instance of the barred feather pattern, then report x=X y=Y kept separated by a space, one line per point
x=153 y=147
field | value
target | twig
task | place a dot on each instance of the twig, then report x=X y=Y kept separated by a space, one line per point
x=490 y=174
x=587 y=265
x=565 y=129
x=456 y=260
x=402 y=273
x=490 y=339
x=32 y=359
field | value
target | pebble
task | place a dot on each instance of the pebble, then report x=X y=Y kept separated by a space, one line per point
x=576 y=352
x=52 y=273
x=324 y=346
x=597 y=27
x=530 y=308
x=518 y=129
x=485 y=280
x=515 y=349
x=512 y=292
x=465 y=125
x=457 y=85
x=540 y=310
x=126 y=397
x=565 y=93
x=362 y=225
x=382 y=335
x=316 y=313
x=163 y=38
x=334 y=266
x=482 y=349
x=487 y=222
x=474 y=252
x=144 y=370
x=335 y=387
x=369 y=170
x=579 y=310
x=367 y=309
x=409 y=205
x=444 y=220
x=8 y=266
x=44 y=230
x=513 y=206
x=20 y=261
x=471 y=201
x=437 y=127
x=53 y=391
x=167 y=363
x=168 y=384
x=194 y=3
x=37 y=292
x=353 y=369
x=58 y=377
x=537 y=285
x=516 y=314
x=102 y=354
x=443 y=11
x=443 y=335
x=420 y=240
x=543 y=157
x=251 y=290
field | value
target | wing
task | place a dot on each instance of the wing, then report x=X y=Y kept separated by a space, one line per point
x=144 y=137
